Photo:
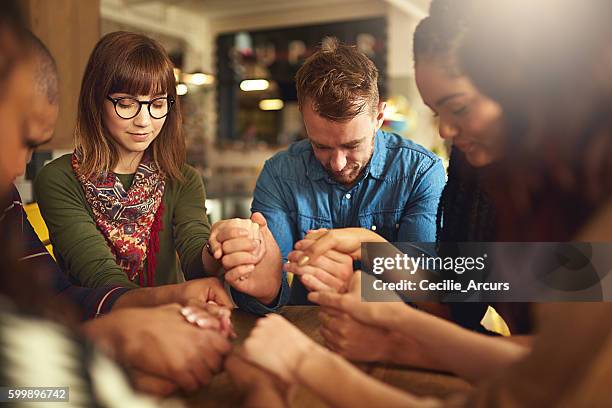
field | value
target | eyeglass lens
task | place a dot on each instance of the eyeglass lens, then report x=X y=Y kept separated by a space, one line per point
x=128 y=108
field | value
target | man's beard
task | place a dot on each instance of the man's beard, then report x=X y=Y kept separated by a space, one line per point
x=346 y=176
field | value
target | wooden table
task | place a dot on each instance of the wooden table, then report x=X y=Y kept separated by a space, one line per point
x=222 y=393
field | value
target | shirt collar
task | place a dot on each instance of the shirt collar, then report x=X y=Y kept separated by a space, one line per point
x=377 y=163
x=375 y=167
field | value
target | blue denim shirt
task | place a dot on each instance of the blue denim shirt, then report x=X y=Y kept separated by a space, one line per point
x=252 y=305
x=397 y=195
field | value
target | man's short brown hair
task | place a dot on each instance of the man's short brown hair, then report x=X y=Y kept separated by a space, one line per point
x=339 y=81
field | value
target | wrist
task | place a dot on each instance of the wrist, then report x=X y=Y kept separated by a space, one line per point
x=312 y=354
x=174 y=293
x=103 y=334
x=396 y=350
x=388 y=350
x=399 y=317
x=212 y=267
x=125 y=300
x=269 y=300
x=161 y=295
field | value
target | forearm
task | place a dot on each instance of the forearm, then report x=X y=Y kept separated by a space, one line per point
x=468 y=354
x=212 y=267
x=267 y=288
x=92 y=302
x=149 y=297
x=483 y=356
x=270 y=265
x=340 y=384
x=522 y=340
x=401 y=352
x=264 y=396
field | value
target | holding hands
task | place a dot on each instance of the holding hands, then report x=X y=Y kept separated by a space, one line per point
x=349 y=326
x=290 y=347
x=330 y=271
x=324 y=258
x=238 y=245
x=165 y=348
x=324 y=262
x=260 y=387
x=351 y=338
x=248 y=252
x=202 y=292
x=379 y=314
x=210 y=316
x=344 y=240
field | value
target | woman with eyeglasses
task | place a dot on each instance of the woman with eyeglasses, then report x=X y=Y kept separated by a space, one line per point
x=124 y=203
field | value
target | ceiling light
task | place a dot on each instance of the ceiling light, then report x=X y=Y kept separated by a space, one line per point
x=199 y=78
x=181 y=89
x=271 y=104
x=254 y=85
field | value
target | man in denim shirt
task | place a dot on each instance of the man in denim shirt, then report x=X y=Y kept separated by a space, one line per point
x=348 y=173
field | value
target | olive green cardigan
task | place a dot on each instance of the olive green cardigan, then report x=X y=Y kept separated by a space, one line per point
x=82 y=251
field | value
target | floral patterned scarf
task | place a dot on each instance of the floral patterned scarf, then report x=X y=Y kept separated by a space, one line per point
x=129 y=220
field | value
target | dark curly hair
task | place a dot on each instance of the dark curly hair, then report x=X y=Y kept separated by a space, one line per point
x=465 y=212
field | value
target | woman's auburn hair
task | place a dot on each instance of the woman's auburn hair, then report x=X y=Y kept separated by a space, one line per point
x=137 y=65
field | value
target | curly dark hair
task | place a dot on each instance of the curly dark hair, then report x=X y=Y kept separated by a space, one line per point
x=465 y=212
x=439 y=35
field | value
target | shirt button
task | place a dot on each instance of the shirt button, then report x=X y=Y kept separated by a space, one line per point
x=373 y=227
x=348 y=196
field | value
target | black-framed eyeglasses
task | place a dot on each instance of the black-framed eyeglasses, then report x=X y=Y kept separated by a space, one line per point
x=127 y=107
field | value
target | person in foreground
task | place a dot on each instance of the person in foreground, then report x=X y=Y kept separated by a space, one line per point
x=166 y=347
x=562 y=368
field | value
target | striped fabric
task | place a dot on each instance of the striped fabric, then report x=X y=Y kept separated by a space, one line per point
x=39 y=353
x=92 y=302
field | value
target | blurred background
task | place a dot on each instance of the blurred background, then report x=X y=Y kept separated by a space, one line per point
x=235 y=63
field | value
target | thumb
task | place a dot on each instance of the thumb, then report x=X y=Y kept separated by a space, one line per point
x=355 y=284
x=258 y=218
x=219 y=296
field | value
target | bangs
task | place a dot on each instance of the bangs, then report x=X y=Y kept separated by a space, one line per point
x=145 y=71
